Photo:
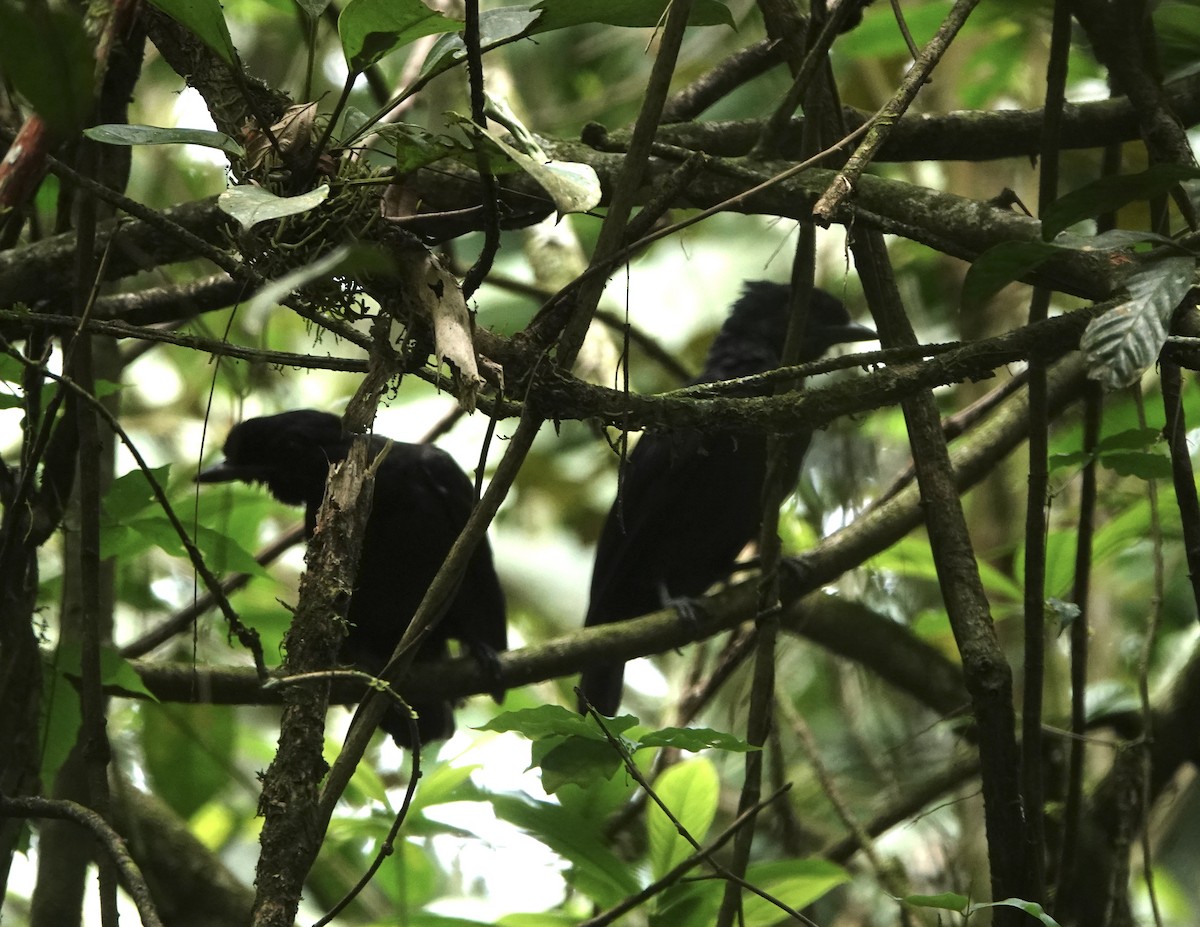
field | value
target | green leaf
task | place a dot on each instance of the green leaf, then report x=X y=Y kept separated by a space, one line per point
x=250 y=205
x=575 y=761
x=417 y=147
x=1130 y=439
x=205 y=19
x=115 y=134
x=11 y=369
x=1177 y=36
x=443 y=785
x=1001 y=265
x=61 y=715
x=1065 y=461
x=689 y=904
x=48 y=57
x=1145 y=465
x=1121 y=344
x=1111 y=193
x=1031 y=908
x=549 y=720
x=188 y=752
x=539 y=919
x=796 y=882
x=595 y=871
x=694 y=739
x=131 y=493
x=115 y=670
x=372 y=29
x=946 y=901
x=221 y=553
x=1132 y=452
x=690 y=789
x=496 y=28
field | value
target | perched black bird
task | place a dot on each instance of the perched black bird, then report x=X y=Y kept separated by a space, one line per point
x=690 y=501
x=422 y=500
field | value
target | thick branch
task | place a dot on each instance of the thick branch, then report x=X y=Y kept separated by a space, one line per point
x=967 y=135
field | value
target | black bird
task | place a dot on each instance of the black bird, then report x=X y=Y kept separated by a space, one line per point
x=422 y=500
x=690 y=501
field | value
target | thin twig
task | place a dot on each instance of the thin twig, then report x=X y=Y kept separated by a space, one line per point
x=881 y=125
x=127 y=870
x=678 y=872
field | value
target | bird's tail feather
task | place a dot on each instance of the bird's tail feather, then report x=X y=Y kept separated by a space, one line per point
x=434 y=721
x=602 y=687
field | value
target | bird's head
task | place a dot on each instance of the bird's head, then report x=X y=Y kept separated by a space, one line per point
x=289 y=452
x=758 y=323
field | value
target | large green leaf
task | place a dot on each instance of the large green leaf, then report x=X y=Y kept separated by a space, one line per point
x=1111 y=193
x=221 y=553
x=206 y=20
x=594 y=869
x=372 y=29
x=1001 y=265
x=115 y=670
x=694 y=739
x=131 y=493
x=555 y=720
x=796 y=882
x=693 y=903
x=188 y=752
x=48 y=57
x=691 y=790
x=496 y=28
x=1133 y=452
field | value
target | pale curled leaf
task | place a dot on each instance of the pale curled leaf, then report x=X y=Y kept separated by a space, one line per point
x=250 y=205
x=293 y=132
x=1122 y=344
x=574 y=187
x=441 y=300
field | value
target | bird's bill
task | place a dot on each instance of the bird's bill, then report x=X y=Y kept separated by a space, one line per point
x=225 y=472
x=852 y=331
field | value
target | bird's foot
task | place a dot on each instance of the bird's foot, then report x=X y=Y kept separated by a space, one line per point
x=797 y=578
x=690 y=611
x=488 y=659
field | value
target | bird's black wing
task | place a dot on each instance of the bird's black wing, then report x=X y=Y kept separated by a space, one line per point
x=687 y=506
x=422 y=500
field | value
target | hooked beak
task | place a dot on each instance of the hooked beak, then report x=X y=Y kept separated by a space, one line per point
x=225 y=472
